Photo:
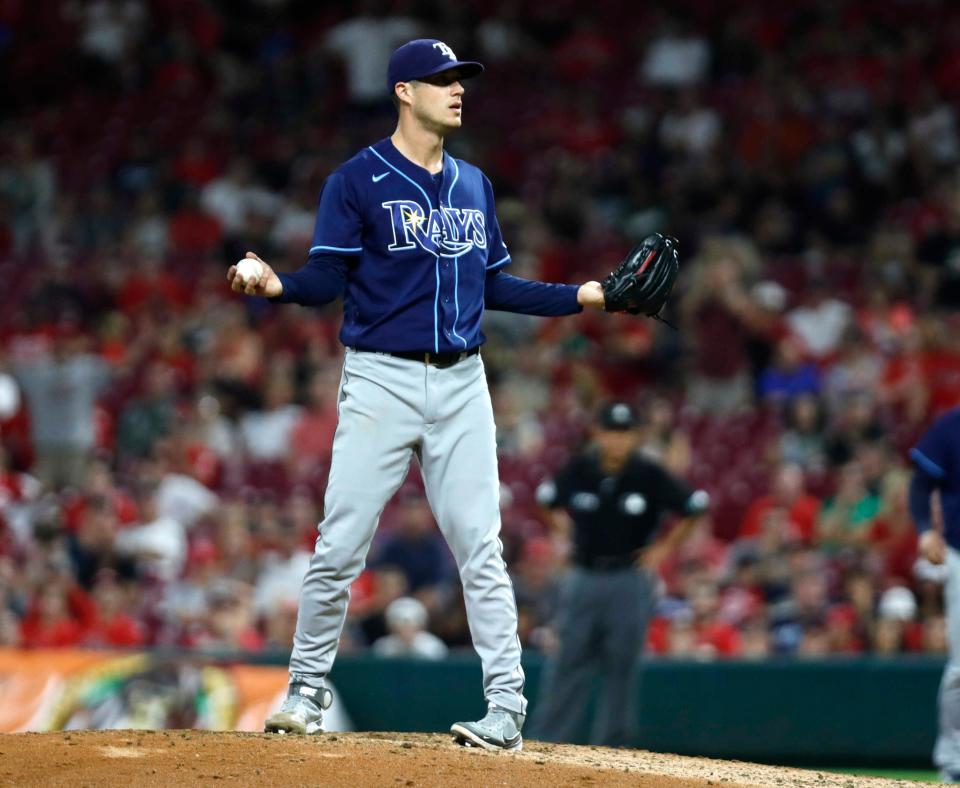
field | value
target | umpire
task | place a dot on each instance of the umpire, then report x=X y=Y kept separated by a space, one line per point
x=615 y=498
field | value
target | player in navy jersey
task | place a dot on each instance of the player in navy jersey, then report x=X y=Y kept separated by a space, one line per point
x=408 y=236
x=936 y=462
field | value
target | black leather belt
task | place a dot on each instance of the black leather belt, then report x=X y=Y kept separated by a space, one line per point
x=606 y=563
x=440 y=360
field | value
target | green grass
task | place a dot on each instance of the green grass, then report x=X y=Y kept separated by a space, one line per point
x=921 y=775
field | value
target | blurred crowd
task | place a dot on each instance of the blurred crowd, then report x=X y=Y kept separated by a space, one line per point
x=165 y=443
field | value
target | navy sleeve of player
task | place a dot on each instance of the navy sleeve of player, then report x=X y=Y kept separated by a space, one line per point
x=921 y=510
x=507 y=293
x=933 y=461
x=319 y=282
x=931 y=453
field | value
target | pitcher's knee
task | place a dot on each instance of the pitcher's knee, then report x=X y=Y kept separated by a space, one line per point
x=335 y=567
x=488 y=578
x=480 y=554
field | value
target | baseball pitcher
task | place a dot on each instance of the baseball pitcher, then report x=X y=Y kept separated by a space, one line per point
x=408 y=235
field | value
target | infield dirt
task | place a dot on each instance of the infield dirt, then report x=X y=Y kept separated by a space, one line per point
x=356 y=760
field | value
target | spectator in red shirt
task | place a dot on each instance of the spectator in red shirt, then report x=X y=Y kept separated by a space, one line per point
x=58 y=616
x=194 y=233
x=701 y=549
x=312 y=436
x=197 y=165
x=231 y=622
x=844 y=630
x=695 y=632
x=788 y=493
x=112 y=625
x=99 y=485
x=903 y=386
x=892 y=533
x=720 y=316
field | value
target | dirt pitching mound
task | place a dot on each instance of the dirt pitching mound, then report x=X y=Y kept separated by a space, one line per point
x=356 y=760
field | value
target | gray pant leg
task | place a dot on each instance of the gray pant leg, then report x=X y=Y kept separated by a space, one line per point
x=628 y=605
x=459 y=462
x=946 y=753
x=379 y=422
x=568 y=674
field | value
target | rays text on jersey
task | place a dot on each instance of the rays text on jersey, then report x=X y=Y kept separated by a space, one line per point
x=444 y=232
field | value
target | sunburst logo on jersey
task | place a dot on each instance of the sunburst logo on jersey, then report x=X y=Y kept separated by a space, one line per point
x=412 y=218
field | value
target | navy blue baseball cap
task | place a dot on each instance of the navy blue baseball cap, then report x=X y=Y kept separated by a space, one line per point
x=424 y=57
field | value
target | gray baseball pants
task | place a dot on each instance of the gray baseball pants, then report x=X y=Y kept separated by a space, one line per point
x=391 y=409
x=946 y=753
x=601 y=626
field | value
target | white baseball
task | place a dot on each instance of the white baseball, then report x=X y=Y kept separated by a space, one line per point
x=249 y=270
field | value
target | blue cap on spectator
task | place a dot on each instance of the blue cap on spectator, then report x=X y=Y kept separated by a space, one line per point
x=424 y=57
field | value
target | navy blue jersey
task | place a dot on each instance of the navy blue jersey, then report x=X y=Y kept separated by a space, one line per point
x=936 y=461
x=414 y=255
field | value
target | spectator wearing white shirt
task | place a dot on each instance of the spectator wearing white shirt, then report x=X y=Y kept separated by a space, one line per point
x=690 y=127
x=266 y=433
x=292 y=229
x=675 y=58
x=364 y=43
x=501 y=36
x=232 y=197
x=150 y=229
x=820 y=321
x=61 y=391
x=158 y=543
x=932 y=129
x=109 y=28
x=406 y=619
x=27 y=185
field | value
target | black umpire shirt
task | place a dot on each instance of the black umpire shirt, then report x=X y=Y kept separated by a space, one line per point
x=616 y=515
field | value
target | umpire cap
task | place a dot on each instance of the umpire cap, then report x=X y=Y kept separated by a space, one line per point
x=617 y=416
x=424 y=57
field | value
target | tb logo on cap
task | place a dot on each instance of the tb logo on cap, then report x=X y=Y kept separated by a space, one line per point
x=445 y=50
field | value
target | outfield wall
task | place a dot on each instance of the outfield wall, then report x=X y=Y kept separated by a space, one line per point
x=835 y=711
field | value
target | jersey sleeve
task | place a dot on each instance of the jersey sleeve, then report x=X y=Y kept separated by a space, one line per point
x=931 y=459
x=497 y=254
x=319 y=282
x=931 y=455
x=512 y=294
x=922 y=488
x=339 y=224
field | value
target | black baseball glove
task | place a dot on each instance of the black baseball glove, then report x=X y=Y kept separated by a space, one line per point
x=643 y=281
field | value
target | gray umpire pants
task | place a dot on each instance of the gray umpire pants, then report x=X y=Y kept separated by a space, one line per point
x=946 y=753
x=391 y=409
x=601 y=626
